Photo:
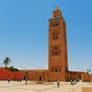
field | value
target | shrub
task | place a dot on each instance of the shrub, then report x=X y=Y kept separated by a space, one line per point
x=12 y=69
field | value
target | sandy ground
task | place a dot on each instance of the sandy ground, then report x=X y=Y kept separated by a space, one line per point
x=46 y=87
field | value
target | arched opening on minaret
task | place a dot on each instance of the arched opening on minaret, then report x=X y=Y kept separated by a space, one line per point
x=56 y=70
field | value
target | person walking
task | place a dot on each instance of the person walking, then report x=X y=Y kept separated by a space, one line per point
x=8 y=80
x=72 y=82
x=58 y=83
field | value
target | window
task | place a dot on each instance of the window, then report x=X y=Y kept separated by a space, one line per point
x=56 y=69
x=54 y=24
x=55 y=35
x=58 y=24
x=55 y=51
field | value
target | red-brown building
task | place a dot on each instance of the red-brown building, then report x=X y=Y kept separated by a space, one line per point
x=4 y=75
x=58 y=59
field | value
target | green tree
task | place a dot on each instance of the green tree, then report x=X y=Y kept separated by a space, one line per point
x=88 y=71
x=79 y=77
x=6 y=61
x=11 y=69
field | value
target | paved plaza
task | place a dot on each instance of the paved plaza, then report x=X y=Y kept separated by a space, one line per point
x=15 y=86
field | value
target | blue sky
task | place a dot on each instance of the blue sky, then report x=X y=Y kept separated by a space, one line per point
x=24 y=32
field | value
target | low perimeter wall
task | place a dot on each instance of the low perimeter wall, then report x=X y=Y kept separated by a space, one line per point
x=4 y=75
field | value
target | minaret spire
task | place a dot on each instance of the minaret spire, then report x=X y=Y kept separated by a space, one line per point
x=57 y=7
x=57 y=12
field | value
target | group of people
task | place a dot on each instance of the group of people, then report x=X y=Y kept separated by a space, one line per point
x=15 y=80
x=73 y=82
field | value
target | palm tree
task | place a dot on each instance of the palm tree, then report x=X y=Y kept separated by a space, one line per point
x=88 y=71
x=6 y=61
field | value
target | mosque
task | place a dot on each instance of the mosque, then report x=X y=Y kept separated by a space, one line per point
x=57 y=56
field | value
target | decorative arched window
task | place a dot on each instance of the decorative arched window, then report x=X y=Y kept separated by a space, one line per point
x=57 y=23
x=55 y=51
x=55 y=35
x=56 y=69
x=54 y=24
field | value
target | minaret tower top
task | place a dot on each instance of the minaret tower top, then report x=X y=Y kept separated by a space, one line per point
x=57 y=13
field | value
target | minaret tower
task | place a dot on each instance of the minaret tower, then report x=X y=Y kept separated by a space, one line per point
x=58 y=60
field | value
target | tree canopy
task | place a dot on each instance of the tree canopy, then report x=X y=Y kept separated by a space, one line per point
x=6 y=61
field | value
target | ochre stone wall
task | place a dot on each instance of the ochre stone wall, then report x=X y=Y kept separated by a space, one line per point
x=46 y=75
x=36 y=74
x=71 y=75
